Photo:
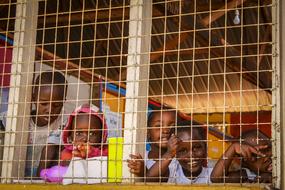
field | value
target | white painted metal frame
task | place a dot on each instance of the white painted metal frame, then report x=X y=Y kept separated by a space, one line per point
x=276 y=95
x=280 y=57
x=137 y=81
x=20 y=90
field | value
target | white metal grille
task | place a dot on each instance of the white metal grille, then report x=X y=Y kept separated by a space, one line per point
x=210 y=62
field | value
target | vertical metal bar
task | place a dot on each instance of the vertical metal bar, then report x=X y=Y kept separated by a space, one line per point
x=137 y=80
x=276 y=56
x=20 y=90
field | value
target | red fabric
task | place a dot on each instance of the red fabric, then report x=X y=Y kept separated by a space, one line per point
x=248 y=121
x=94 y=151
x=5 y=66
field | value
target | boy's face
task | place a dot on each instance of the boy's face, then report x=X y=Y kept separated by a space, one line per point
x=86 y=128
x=48 y=101
x=261 y=164
x=160 y=128
x=191 y=153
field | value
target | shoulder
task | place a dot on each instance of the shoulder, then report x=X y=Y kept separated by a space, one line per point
x=205 y=175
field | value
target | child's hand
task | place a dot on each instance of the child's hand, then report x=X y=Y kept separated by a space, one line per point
x=136 y=164
x=265 y=177
x=81 y=150
x=248 y=151
x=172 y=145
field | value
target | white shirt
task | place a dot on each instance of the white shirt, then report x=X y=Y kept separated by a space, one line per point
x=39 y=137
x=178 y=176
x=250 y=175
x=150 y=162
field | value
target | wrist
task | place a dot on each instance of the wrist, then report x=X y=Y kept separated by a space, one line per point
x=230 y=153
x=168 y=155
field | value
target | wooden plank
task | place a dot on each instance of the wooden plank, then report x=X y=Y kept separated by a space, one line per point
x=137 y=81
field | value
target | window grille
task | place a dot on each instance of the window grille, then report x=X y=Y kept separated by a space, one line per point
x=212 y=64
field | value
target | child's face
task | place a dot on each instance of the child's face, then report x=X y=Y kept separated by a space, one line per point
x=86 y=128
x=160 y=128
x=48 y=102
x=263 y=164
x=191 y=153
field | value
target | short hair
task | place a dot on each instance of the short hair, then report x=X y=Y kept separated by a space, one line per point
x=51 y=78
x=188 y=125
x=158 y=110
x=254 y=133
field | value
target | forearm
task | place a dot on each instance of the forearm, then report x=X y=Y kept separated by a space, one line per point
x=159 y=169
x=49 y=157
x=221 y=168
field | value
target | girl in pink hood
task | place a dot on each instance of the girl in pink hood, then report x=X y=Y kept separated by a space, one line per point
x=84 y=136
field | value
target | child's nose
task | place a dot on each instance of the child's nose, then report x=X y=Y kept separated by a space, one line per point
x=47 y=108
x=165 y=129
x=83 y=137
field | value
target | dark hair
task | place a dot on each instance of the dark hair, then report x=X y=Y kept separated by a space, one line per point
x=55 y=78
x=254 y=133
x=188 y=125
x=51 y=77
x=155 y=111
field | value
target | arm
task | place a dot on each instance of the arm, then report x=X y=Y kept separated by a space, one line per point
x=221 y=172
x=49 y=157
x=160 y=168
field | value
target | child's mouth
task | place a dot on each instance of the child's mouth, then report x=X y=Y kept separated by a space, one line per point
x=193 y=163
x=163 y=139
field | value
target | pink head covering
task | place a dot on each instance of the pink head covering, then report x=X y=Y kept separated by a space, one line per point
x=94 y=151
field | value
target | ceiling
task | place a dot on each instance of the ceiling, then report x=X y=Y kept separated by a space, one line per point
x=199 y=62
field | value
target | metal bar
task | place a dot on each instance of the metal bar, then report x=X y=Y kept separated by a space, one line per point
x=20 y=90
x=276 y=109
x=137 y=81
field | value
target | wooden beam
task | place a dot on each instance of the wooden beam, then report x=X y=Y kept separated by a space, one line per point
x=171 y=43
x=221 y=12
x=263 y=47
x=63 y=65
x=103 y=15
x=86 y=74
x=158 y=53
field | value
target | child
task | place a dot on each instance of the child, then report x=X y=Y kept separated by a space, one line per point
x=159 y=160
x=191 y=155
x=84 y=138
x=48 y=97
x=256 y=164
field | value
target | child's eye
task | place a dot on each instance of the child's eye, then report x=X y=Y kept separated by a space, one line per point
x=183 y=151
x=92 y=133
x=77 y=133
x=57 y=104
x=197 y=146
x=44 y=104
x=157 y=125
